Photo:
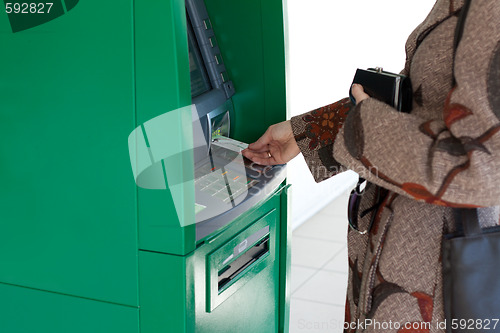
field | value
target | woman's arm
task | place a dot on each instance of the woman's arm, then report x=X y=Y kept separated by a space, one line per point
x=453 y=160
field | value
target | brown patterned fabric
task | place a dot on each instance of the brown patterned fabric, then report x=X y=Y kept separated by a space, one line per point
x=315 y=133
x=445 y=154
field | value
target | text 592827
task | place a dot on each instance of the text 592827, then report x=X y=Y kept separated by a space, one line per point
x=28 y=8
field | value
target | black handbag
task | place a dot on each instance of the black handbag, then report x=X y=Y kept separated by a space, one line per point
x=390 y=88
x=471 y=275
x=393 y=89
x=471 y=270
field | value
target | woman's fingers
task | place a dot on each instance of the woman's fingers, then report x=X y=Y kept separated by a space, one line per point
x=273 y=146
x=257 y=155
x=263 y=157
x=257 y=159
x=359 y=93
x=262 y=143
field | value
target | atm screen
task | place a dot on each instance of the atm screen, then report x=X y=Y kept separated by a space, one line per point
x=200 y=82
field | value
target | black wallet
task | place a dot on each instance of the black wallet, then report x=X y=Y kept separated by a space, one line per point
x=393 y=89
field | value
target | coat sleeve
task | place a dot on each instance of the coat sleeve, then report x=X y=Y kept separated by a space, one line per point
x=453 y=160
x=315 y=133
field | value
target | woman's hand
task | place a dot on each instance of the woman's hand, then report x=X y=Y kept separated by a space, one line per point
x=359 y=93
x=276 y=146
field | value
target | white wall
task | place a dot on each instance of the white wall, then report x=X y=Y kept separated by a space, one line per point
x=328 y=40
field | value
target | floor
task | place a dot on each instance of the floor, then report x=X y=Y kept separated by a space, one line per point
x=319 y=271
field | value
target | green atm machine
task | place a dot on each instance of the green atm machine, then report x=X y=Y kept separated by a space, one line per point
x=125 y=203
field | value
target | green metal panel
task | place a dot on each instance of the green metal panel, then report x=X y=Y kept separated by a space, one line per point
x=250 y=35
x=166 y=293
x=163 y=85
x=285 y=261
x=67 y=199
x=174 y=295
x=274 y=63
x=24 y=310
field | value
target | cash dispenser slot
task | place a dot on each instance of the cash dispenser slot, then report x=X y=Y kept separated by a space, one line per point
x=231 y=271
x=241 y=259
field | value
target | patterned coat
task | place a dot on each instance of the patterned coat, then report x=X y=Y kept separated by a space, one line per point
x=445 y=154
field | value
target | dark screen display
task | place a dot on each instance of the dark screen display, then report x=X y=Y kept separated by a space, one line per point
x=200 y=82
